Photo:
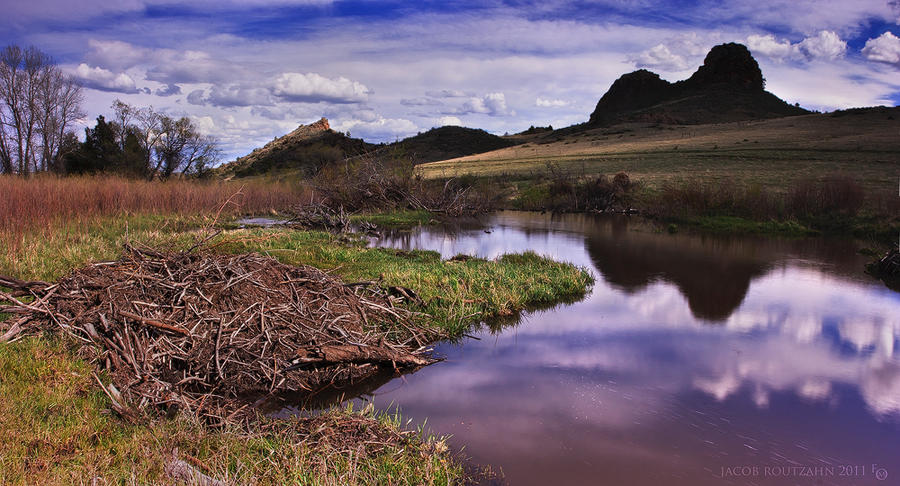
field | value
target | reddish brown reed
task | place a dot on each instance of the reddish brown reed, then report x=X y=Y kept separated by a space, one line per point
x=39 y=204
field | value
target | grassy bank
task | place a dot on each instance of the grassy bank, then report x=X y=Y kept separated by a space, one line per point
x=56 y=429
x=828 y=204
x=398 y=219
x=55 y=423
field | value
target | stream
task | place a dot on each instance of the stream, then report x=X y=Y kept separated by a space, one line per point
x=693 y=360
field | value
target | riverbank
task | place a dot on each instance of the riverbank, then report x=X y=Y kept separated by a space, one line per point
x=70 y=436
x=830 y=205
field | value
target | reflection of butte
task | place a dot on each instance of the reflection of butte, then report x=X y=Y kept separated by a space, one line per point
x=713 y=274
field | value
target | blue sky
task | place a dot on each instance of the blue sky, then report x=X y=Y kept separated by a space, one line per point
x=247 y=71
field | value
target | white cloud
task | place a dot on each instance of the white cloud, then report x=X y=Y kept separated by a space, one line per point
x=104 y=79
x=767 y=45
x=189 y=67
x=884 y=48
x=379 y=128
x=660 y=57
x=447 y=93
x=550 y=103
x=116 y=54
x=492 y=104
x=168 y=90
x=205 y=124
x=420 y=102
x=197 y=97
x=449 y=120
x=314 y=88
x=824 y=45
x=234 y=95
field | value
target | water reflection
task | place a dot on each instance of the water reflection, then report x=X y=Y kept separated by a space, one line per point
x=633 y=386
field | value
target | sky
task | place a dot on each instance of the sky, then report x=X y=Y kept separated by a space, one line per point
x=248 y=71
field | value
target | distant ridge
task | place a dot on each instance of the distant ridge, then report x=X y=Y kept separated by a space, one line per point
x=728 y=87
x=307 y=148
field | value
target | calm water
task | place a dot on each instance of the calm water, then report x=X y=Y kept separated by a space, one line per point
x=693 y=361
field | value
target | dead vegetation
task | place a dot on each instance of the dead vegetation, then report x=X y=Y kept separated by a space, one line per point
x=385 y=181
x=207 y=333
x=887 y=268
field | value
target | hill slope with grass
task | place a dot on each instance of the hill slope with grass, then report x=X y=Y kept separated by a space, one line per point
x=771 y=152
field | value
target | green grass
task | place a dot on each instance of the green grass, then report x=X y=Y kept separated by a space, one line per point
x=455 y=292
x=737 y=225
x=55 y=429
x=400 y=219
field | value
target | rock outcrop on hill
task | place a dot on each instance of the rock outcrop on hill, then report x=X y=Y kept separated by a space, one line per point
x=729 y=86
x=307 y=148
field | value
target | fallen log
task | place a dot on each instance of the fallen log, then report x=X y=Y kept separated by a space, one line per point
x=352 y=353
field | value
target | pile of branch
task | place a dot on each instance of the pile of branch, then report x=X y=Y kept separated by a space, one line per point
x=320 y=217
x=205 y=333
x=888 y=267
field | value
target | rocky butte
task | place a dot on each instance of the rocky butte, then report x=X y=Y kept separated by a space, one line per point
x=728 y=87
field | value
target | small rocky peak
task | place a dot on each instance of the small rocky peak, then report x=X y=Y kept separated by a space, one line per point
x=730 y=64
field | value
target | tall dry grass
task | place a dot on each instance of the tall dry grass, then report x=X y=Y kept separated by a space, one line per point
x=831 y=195
x=43 y=205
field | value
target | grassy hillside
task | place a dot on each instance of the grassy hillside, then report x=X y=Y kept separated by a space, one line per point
x=861 y=142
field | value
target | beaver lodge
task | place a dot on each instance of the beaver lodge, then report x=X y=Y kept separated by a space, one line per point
x=208 y=333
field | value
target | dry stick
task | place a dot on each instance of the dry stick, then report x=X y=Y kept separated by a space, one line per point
x=14 y=330
x=151 y=322
x=14 y=283
x=218 y=343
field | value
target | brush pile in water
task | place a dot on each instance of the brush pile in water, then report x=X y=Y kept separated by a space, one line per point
x=201 y=332
x=887 y=268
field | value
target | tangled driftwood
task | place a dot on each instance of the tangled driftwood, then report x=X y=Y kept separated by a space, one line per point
x=209 y=333
x=887 y=268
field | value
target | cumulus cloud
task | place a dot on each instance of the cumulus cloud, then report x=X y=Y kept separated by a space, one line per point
x=676 y=53
x=116 y=54
x=234 y=95
x=550 y=103
x=826 y=45
x=168 y=90
x=767 y=45
x=167 y=66
x=379 y=128
x=314 y=88
x=884 y=48
x=660 y=57
x=104 y=79
x=197 y=97
x=491 y=104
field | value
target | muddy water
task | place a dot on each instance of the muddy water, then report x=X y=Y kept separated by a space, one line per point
x=693 y=361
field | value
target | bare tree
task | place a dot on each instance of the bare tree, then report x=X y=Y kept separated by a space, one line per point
x=59 y=104
x=170 y=145
x=37 y=105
